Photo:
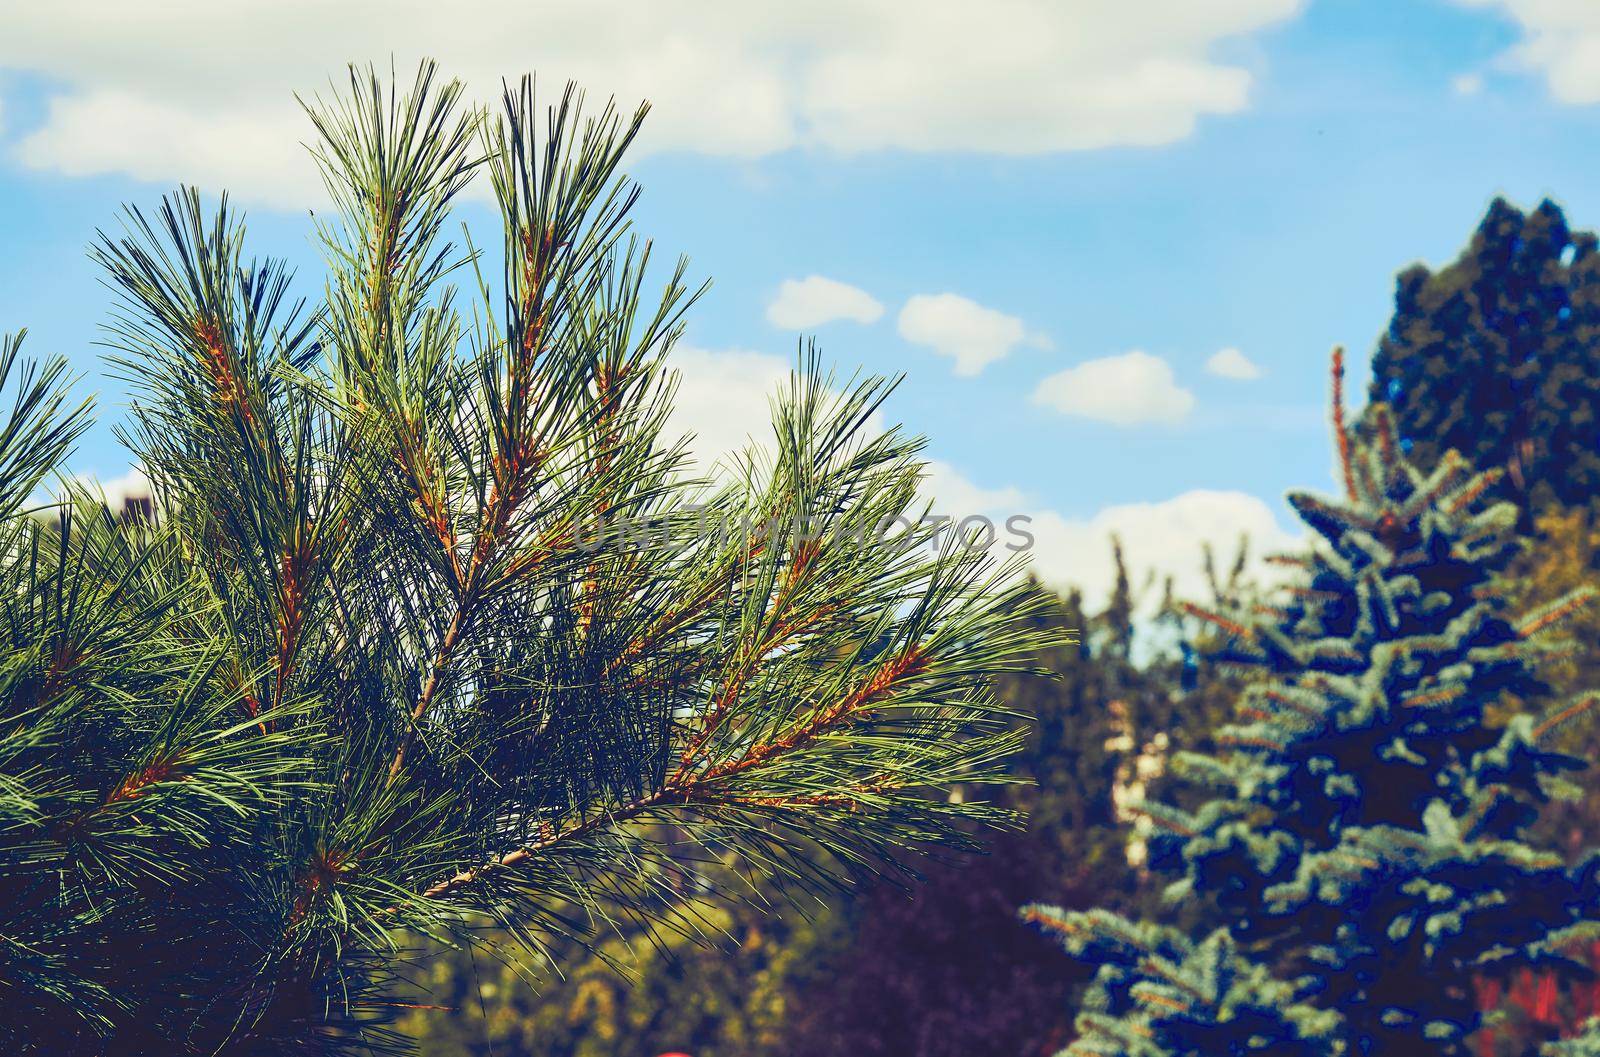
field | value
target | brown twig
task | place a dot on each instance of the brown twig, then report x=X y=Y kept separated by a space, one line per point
x=908 y=662
x=1556 y=614
x=1342 y=435
x=1571 y=712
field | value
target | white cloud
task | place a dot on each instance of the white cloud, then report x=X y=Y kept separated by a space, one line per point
x=1467 y=83
x=1231 y=363
x=952 y=493
x=810 y=302
x=724 y=399
x=1125 y=390
x=194 y=89
x=1561 y=41
x=960 y=328
x=111 y=131
x=1167 y=536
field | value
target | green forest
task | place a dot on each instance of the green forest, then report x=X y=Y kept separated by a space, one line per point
x=362 y=736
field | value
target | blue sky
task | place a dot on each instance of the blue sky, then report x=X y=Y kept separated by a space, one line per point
x=1331 y=144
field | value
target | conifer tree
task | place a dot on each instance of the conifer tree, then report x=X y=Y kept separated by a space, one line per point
x=1492 y=356
x=384 y=662
x=1359 y=862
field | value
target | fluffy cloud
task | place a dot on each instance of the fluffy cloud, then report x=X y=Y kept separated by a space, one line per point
x=967 y=332
x=810 y=302
x=1165 y=537
x=103 y=132
x=1561 y=41
x=956 y=496
x=1231 y=363
x=200 y=90
x=1125 y=390
x=724 y=399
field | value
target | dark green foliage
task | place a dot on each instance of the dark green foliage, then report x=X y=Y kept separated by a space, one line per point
x=1493 y=356
x=370 y=671
x=1362 y=845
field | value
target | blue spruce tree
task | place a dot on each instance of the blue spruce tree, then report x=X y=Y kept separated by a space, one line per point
x=1358 y=856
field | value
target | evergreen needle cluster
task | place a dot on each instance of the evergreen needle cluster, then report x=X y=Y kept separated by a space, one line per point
x=380 y=664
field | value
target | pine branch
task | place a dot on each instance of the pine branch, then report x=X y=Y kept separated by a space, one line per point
x=389 y=654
